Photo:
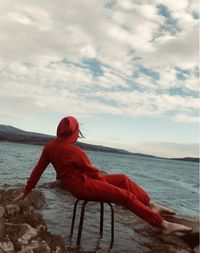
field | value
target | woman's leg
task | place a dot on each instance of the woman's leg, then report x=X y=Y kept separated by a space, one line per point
x=124 y=182
x=103 y=191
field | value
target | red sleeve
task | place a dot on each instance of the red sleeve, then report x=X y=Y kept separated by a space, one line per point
x=85 y=165
x=43 y=162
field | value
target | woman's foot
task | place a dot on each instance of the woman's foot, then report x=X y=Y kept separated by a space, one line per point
x=168 y=228
x=161 y=209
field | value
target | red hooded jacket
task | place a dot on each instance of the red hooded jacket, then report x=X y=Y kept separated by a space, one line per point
x=69 y=161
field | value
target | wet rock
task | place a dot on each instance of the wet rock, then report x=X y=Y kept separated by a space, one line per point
x=2 y=228
x=168 y=249
x=41 y=229
x=2 y=211
x=196 y=249
x=12 y=209
x=22 y=230
x=30 y=247
x=43 y=247
x=26 y=233
x=36 y=199
x=192 y=239
x=175 y=241
x=36 y=247
x=6 y=246
x=57 y=250
x=26 y=250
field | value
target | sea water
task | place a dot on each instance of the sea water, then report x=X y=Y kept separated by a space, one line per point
x=171 y=182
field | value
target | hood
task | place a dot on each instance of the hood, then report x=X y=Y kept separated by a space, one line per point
x=68 y=128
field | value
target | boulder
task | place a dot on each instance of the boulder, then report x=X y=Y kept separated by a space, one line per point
x=2 y=211
x=36 y=199
x=6 y=245
x=196 y=249
x=26 y=233
x=2 y=228
x=22 y=230
x=12 y=209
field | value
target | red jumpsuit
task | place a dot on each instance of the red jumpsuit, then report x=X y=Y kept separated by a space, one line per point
x=84 y=181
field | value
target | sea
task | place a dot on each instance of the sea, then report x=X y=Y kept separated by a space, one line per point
x=170 y=182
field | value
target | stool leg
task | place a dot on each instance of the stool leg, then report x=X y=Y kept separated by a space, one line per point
x=112 y=225
x=101 y=219
x=73 y=217
x=81 y=222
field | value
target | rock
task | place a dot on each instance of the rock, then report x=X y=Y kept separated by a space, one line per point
x=36 y=247
x=168 y=249
x=43 y=247
x=175 y=241
x=41 y=229
x=7 y=246
x=26 y=229
x=192 y=239
x=12 y=209
x=26 y=233
x=196 y=249
x=2 y=211
x=29 y=248
x=57 y=250
x=36 y=199
x=26 y=250
x=2 y=228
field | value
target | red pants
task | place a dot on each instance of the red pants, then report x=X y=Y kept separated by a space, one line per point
x=118 y=189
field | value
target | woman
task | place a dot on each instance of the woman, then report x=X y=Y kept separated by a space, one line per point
x=84 y=181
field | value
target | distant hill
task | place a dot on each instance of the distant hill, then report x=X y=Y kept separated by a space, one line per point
x=13 y=134
x=187 y=159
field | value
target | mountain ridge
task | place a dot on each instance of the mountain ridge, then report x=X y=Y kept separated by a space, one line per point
x=13 y=134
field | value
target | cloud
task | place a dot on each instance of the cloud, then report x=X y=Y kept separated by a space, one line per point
x=117 y=57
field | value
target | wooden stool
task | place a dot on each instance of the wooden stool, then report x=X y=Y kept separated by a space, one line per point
x=101 y=219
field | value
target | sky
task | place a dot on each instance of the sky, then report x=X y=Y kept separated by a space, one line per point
x=126 y=69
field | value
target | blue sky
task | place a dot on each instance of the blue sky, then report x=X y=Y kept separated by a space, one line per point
x=128 y=70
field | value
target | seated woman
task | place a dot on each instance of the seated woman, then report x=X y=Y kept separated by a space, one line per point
x=84 y=181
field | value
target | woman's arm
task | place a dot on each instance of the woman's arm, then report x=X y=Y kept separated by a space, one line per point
x=43 y=162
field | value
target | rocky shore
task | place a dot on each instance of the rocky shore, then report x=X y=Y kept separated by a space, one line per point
x=23 y=230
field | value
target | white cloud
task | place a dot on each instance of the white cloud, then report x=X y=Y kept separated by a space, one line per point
x=186 y=118
x=43 y=46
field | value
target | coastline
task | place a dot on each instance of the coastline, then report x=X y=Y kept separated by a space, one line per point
x=96 y=148
x=16 y=135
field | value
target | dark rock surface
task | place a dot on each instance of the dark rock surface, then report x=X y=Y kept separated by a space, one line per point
x=23 y=230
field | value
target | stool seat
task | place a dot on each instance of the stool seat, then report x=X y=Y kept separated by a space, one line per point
x=80 y=228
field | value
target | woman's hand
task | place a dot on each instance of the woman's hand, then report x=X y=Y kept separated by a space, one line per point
x=21 y=196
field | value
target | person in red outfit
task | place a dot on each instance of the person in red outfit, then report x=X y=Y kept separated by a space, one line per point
x=84 y=181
